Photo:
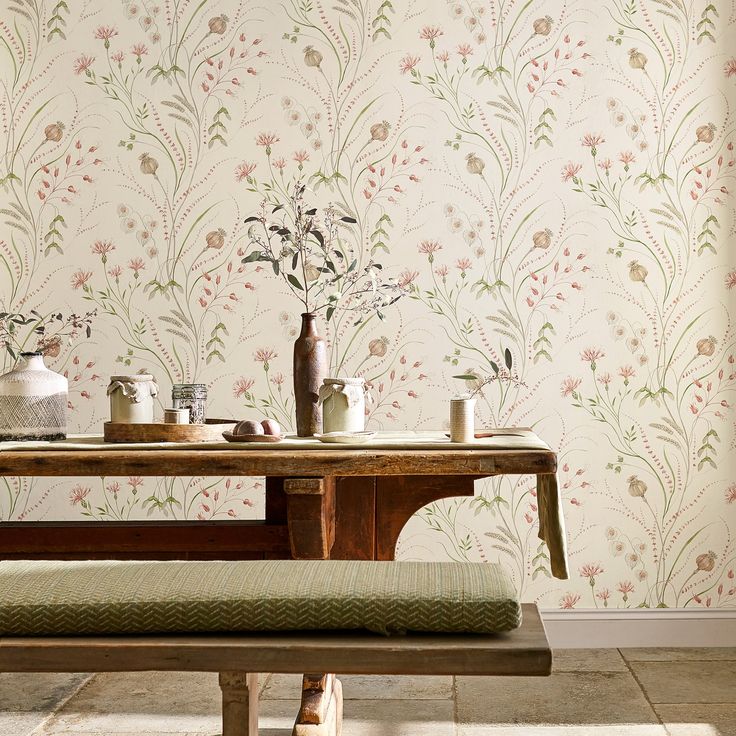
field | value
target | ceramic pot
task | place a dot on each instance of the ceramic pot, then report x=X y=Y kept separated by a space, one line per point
x=33 y=401
x=462 y=420
x=310 y=366
x=343 y=404
x=131 y=398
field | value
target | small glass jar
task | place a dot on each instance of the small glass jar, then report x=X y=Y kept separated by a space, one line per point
x=192 y=396
x=343 y=404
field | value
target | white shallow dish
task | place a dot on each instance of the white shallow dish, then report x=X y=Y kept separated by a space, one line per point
x=345 y=438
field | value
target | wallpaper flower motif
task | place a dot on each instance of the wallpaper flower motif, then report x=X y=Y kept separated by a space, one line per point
x=547 y=184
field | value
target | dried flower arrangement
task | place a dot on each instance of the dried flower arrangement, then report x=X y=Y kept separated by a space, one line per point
x=314 y=252
x=42 y=333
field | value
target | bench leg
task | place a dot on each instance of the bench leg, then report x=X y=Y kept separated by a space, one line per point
x=320 y=713
x=239 y=703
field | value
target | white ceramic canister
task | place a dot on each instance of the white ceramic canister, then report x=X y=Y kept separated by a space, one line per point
x=343 y=404
x=131 y=398
x=33 y=401
x=462 y=420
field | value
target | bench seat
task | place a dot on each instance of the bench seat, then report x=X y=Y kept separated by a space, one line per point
x=272 y=616
x=41 y=598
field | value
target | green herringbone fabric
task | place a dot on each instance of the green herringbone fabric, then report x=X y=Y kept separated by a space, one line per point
x=107 y=597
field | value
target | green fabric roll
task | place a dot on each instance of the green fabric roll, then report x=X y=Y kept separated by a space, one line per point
x=109 y=597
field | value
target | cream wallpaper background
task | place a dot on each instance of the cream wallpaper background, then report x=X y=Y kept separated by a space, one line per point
x=548 y=183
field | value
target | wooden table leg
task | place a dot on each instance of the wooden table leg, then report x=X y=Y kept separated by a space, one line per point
x=310 y=511
x=239 y=703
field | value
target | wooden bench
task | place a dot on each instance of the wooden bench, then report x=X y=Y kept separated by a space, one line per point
x=237 y=657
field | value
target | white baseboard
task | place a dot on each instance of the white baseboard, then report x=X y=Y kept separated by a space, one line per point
x=639 y=627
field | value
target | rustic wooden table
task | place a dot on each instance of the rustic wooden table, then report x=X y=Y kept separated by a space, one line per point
x=342 y=503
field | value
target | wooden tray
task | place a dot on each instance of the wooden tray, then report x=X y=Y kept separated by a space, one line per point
x=211 y=431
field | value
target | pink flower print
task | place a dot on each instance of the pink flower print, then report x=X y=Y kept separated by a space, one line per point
x=626 y=157
x=102 y=247
x=464 y=50
x=278 y=379
x=244 y=170
x=430 y=33
x=605 y=164
x=591 y=141
x=731 y=494
x=626 y=372
x=118 y=56
x=78 y=494
x=406 y=277
x=105 y=33
x=138 y=50
x=625 y=587
x=83 y=63
x=590 y=571
x=300 y=156
x=134 y=481
x=463 y=264
x=136 y=265
x=442 y=271
x=603 y=595
x=80 y=278
x=605 y=379
x=590 y=355
x=266 y=139
x=729 y=68
x=428 y=247
x=730 y=279
x=408 y=63
x=242 y=386
x=443 y=56
x=115 y=272
x=570 y=171
x=569 y=386
x=569 y=600
x=280 y=164
x=263 y=355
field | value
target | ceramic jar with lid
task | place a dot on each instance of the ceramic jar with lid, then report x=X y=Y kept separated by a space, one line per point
x=343 y=404
x=33 y=401
x=131 y=398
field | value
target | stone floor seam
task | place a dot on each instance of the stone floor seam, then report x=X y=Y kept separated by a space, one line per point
x=454 y=704
x=643 y=691
x=58 y=706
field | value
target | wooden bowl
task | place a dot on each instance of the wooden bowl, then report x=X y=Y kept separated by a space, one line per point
x=230 y=437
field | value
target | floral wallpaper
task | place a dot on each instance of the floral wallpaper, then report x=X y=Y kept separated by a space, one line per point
x=544 y=187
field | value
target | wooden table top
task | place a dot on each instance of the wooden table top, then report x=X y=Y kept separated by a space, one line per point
x=278 y=460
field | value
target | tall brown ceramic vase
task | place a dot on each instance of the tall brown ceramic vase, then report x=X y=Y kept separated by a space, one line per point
x=310 y=368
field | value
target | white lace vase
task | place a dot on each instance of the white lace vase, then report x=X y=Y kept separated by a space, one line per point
x=33 y=401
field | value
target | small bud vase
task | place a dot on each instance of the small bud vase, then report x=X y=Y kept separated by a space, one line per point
x=310 y=367
x=462 y=420
x=33 y=401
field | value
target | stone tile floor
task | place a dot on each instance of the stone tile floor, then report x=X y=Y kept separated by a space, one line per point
x=604 y=692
